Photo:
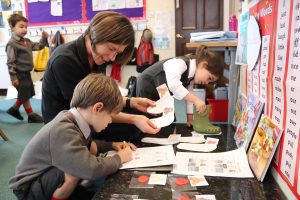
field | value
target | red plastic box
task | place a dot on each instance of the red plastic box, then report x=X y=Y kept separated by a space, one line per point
x=219 y=110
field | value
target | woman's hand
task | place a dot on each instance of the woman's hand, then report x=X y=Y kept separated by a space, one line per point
x=122 y=145
x=141 y=104
x=144 y=124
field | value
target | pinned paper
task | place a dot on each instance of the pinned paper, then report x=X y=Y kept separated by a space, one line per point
x=56 y=8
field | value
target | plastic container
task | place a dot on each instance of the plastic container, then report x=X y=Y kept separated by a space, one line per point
x=233 y=23
x=219 y=110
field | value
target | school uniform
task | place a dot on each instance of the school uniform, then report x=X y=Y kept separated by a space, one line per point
x=176 y=73
x=59 y=147
x=20 y=63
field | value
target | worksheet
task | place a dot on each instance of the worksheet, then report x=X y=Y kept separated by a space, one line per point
x=225 y=164
x=150 y=156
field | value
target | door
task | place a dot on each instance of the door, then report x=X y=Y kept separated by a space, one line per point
x=196 y=16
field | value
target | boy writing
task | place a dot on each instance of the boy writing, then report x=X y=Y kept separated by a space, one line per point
x=20 y=63
x=58 y=156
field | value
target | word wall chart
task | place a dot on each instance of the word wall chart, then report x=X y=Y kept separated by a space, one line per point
x=292 y=87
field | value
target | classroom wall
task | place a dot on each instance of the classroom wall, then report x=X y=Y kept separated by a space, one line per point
x=154 y=9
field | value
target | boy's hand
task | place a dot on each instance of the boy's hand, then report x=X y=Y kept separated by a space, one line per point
x=189 y=120
x=15 y=83
x=200 y=106
x=123 y=145
x=125 y=154
x=145 y=125
x=93 y=148
x=141 y=104
x=45 y=34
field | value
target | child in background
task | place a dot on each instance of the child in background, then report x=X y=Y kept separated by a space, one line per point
x=61 y=153
x=20 y=64
x=180 y=74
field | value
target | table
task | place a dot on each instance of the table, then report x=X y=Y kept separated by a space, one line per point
x=222 y=187
x=229 y=48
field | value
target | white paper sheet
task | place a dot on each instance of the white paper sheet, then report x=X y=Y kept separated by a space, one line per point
x=56 y=8
x=164 y=105
x=196 y=134
x=225 y=164
x=167 y=141
x=100 y=5
x=134 y=3
x=150 y=156
x=197 y=147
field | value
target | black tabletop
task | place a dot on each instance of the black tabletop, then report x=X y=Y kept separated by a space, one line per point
x=222 y=187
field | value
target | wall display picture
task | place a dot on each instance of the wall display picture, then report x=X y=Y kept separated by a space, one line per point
x=56 y=12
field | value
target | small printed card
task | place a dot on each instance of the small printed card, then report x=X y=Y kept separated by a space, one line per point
x=198 y=181
x=158 y=179
x=210 y=140
x=206 y=197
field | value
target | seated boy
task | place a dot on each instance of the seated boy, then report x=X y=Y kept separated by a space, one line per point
x=61 y=153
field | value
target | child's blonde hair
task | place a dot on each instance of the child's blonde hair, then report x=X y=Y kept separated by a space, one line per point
x=215 y=60
x=98 y=88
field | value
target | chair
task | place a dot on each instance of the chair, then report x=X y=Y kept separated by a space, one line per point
x=4 y=137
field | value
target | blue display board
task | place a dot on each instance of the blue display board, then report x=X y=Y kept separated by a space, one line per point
x=74 y=11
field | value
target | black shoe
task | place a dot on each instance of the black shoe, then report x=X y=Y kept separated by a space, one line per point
x=15 y=113
x=35 y=118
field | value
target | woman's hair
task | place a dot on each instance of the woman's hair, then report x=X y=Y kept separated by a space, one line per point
x=115 y=28
x=98 y=88
x=215 y=60
x=15 y=18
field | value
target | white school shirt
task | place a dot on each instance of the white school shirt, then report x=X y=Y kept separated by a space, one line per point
x=174 y=68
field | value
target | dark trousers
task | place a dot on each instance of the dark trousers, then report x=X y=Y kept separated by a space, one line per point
x=44 y=186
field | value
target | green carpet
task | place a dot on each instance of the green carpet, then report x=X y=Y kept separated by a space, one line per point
x=18 y=133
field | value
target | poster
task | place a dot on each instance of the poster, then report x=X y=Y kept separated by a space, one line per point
x=292 y=88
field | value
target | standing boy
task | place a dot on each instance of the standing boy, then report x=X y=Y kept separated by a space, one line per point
x=61 y=153
x=20 y=64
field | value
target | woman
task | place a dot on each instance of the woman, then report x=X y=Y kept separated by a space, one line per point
x=109 y=38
